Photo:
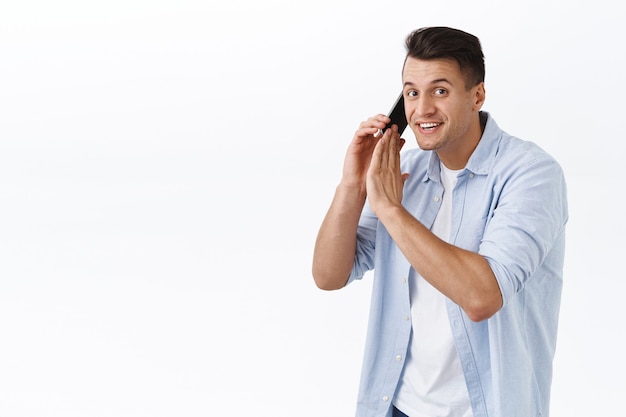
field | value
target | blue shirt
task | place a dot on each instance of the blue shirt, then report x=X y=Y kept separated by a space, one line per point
x=510 y=206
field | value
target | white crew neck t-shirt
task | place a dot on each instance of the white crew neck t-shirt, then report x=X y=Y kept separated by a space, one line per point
x=432 y=382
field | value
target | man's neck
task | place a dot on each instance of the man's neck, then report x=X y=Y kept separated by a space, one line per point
x=459 y=157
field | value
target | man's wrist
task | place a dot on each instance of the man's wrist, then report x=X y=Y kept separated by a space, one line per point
x=352 y=190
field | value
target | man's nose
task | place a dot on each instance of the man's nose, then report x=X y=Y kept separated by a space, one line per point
x=424 y=107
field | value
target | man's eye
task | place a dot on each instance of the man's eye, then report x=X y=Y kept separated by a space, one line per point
x=440 y=91
x=412 y=93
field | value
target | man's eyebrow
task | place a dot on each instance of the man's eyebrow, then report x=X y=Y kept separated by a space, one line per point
x=436 y=81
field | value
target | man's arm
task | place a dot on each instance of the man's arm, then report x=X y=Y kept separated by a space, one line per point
x=463 y=276
x=336 y=243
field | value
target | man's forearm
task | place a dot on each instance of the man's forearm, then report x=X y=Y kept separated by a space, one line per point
x=463 y=276
x=335 y=246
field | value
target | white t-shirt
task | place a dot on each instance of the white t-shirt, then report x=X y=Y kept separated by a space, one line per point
x=432 y=383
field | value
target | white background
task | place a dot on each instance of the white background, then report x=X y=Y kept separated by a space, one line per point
x=165 y=165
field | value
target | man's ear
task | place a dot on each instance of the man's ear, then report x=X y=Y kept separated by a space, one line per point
x=479 y=96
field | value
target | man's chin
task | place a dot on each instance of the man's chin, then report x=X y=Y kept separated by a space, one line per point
x=426 y=145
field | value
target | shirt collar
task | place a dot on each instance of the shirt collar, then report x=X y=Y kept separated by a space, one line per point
x=481 y=160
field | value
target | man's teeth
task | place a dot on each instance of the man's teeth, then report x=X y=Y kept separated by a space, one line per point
x=428 y=125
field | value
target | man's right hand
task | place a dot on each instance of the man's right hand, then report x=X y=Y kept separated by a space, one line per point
x=336 y=242
x=359 y=153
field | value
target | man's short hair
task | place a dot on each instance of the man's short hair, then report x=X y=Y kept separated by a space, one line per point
x=440 y=42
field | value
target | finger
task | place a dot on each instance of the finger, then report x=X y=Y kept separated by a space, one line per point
x=372 y=127
x=379 y=121
x=365 y=132
x=382 y=118
x=376 y=162
x=387 y=149
x=394 y=148
x=393 y=140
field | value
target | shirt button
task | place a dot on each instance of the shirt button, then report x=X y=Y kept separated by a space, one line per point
x=398 y=358
x=437 y=199
x=471 y=175
x=404 y=280
x=406 y=318
x=385 y=398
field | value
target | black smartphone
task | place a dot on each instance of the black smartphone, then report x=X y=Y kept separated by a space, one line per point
x=397 y=115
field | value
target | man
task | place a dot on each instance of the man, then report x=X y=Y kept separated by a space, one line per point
x=466 y=235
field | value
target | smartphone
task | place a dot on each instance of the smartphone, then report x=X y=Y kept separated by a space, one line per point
x=397 y=115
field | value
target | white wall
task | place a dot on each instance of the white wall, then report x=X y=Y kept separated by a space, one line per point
x=164 y=166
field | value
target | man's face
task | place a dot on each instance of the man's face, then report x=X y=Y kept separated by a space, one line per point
x=441 y=111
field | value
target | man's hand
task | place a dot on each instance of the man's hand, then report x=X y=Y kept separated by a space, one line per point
x=384 y=181
x=336 y=243
x=359 y=153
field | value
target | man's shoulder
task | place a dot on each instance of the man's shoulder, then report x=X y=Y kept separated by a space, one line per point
x=516 y=151
x=498 y=146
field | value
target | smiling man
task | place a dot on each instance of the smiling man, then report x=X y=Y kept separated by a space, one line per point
x=467 y=237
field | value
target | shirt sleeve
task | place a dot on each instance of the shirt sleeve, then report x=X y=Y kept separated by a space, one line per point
x=366 y=244
x=529 y=217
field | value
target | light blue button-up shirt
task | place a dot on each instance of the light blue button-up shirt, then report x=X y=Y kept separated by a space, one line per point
x=509 y=205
